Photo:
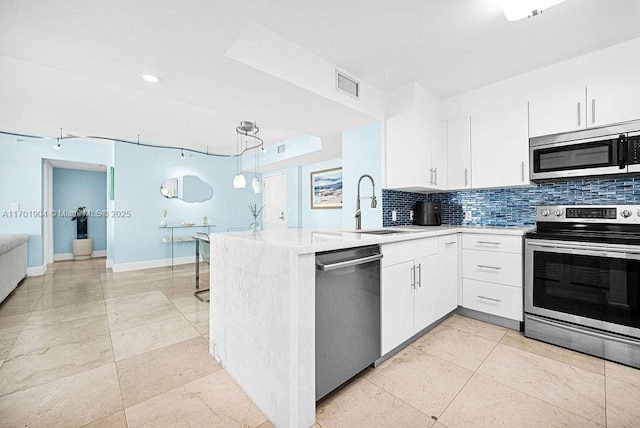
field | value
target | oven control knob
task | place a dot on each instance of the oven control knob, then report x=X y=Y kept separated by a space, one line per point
x=558 y=213
x=638 y=213
x=545 y=212
x=626 y=213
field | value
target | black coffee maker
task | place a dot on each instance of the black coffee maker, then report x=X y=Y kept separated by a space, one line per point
x=427 y=214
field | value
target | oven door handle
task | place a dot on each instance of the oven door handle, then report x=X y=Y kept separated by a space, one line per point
x=590 y=250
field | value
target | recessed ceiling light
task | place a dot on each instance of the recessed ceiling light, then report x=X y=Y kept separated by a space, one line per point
x=150 y=78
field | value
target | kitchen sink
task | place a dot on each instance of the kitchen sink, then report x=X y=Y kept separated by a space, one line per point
x=383 y=232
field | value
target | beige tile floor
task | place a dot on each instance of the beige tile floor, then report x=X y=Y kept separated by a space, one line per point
x=82 y=346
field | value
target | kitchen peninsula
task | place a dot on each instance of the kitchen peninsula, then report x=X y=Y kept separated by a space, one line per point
x=263 y=310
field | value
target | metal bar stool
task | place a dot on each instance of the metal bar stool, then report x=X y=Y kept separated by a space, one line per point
x=202 y=239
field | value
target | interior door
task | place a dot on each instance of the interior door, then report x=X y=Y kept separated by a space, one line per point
x=275 y=202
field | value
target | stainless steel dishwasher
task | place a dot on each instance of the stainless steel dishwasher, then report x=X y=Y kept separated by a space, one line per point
x=347 y=315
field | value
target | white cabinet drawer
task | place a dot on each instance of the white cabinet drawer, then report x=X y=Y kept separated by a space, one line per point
x=501 y=268
x=399 y=252
x=489 y=242
x=496 y=299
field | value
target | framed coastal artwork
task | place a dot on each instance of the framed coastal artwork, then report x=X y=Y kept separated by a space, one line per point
x=326 y=188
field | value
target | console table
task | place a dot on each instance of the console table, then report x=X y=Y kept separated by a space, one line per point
x=184 y=238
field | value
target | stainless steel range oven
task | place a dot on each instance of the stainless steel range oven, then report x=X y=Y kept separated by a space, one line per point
x=582 y=280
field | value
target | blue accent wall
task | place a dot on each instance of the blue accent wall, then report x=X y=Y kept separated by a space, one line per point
x=361 y=154
x=512 y=206
x=21 y=171
x=72 y=189
x=139 y=172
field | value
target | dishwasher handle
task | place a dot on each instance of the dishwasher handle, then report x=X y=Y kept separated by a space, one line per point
x=348 y=263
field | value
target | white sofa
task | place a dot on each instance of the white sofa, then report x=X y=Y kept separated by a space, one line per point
x=13 y=262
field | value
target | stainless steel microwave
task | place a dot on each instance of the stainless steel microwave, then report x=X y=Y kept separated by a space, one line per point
x=610 y=150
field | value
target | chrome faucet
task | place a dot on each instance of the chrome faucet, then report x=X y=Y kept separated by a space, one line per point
x=374 y=202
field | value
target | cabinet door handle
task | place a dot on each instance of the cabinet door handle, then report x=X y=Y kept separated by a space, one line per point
x=487 y=243
x=430 y=175
x=489 y=267
x=420 y=275
x=579 y=118
x=435 y=176
x=489 y=298
x=466 y=174
x=593 y=110
x=413 y=277
x=450 y=243
x=522 y=169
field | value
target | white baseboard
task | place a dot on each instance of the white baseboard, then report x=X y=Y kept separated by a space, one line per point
x=36 y=271
x=149 y=264
x=69 y=256
x=109 y=263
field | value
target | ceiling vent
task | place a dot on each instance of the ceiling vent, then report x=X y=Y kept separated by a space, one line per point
x=347 y=85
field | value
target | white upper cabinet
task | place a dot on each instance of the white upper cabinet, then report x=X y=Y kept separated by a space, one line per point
x=500 y=146
x=402 y=151
x=415 y=159
x=610 y=95
x=560 y=111
x=614 y=100
x=459 y=153
x=599 y=104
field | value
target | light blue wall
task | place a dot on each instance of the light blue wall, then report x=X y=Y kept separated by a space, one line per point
x=140 y=171
x=21 y=172
x=317 y=218
x=72 y=189
x=361 y=155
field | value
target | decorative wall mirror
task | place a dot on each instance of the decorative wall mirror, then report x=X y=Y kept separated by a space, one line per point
x=188 y=188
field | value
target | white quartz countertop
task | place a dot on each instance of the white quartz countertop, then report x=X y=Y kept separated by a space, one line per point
x=303 y=241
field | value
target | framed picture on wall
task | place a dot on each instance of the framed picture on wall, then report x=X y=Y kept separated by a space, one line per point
x=326 y=188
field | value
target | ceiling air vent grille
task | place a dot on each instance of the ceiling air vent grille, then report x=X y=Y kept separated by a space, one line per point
x=347 y=85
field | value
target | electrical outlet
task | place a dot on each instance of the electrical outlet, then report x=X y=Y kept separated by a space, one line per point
x=467 y=216
x=394 y=215
x=15 y=206
x=410 y=214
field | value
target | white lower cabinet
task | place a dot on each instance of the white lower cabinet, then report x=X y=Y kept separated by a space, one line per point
x=413 y=294
x=396 y=304
x=495 y=299
x=492 y=274
x=446 y=298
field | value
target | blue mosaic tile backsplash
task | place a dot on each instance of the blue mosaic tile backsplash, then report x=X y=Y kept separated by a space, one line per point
x=513 y=206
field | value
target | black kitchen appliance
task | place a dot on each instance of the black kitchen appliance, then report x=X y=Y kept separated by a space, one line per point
x=582 y=280
x=427 y=214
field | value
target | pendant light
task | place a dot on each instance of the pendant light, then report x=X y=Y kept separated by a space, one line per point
x=248 y=130
x=239 y=181
x=255 y=183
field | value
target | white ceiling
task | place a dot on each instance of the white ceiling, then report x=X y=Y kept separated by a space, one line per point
x=76 y=63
